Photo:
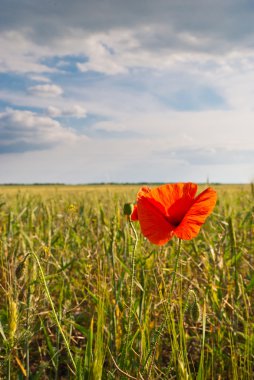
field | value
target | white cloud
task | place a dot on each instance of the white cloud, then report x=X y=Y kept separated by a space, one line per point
x=211 y=155
x=22 y=131
x=102 y=55
x=109 y=126
x=118 y=50
x=21 y=55
x=75 y=110
x=46 y=90
x=40 y=78
x=54 y=111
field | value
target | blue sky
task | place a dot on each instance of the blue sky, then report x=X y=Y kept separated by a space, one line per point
x=116 y=91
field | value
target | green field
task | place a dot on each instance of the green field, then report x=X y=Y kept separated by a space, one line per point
x=77 y=302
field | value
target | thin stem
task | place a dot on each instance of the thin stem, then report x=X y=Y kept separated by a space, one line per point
x=133 y=264
x=161 y=328
x=175 y=269
x=119 y=369
x=53 y=309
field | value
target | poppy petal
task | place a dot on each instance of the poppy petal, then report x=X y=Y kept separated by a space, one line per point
x=145 y=190
x=175 y=200
x=153 y=224
x=134 y=214
x=196 y=215
x=167 y=195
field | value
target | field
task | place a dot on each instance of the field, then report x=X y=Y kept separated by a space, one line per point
x=83 y=298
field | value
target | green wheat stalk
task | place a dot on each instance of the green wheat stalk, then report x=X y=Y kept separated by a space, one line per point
x=53 y=309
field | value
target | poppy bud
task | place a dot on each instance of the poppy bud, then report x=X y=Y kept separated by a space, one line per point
x=192 y=308
x=128 y=208
x=196 y=312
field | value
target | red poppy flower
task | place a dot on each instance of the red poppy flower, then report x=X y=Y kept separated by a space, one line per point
x=170 y=210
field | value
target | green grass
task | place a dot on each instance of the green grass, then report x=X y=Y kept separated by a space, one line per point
x=76 y=304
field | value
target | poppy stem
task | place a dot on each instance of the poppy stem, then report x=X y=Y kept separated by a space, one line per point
x=163 y=325
x=175 y=269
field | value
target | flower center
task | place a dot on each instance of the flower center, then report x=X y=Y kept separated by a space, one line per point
x=178 y=210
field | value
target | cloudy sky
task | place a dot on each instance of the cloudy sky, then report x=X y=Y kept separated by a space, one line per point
x=126 y=91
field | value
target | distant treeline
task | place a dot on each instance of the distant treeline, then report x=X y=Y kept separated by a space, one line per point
x=101 y=184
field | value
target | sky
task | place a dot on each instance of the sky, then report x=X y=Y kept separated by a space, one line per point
x=126 y=91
